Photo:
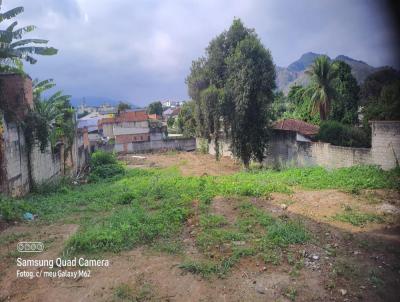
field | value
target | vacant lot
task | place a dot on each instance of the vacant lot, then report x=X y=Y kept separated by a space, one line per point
x=181 y=227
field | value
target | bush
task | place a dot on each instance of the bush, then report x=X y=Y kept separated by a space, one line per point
x=104 y=165
x=343 y=135
x=100 y=158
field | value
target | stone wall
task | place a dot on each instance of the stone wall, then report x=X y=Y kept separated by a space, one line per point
x=169 y=144
x=284 y=150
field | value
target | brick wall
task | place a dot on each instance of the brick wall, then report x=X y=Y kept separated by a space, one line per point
x=16 y=95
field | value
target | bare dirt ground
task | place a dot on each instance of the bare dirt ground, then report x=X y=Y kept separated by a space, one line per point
x=343 y=263
x=189 y=163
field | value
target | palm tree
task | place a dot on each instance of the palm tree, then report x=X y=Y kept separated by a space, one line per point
x=321 y=91
x=14 y=49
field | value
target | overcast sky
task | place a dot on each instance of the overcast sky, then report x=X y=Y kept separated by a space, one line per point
x=141 y=51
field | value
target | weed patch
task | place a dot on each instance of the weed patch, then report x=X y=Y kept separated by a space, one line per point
x=358 y=218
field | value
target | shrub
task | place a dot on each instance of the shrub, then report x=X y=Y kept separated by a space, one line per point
x=343 y=135
x=104 y=165
x=100 y=158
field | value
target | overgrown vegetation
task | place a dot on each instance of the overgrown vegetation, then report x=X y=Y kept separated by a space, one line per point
x=152 y=206
x=358 y=218
x=343 y=135
x=104 y=165
x=254 y=233
x=380 y=95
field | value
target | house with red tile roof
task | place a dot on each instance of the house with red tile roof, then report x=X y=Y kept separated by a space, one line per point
x=305 y=131
x=128 y=126
x=132 y=126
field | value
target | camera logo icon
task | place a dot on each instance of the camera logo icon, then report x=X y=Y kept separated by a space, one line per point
x=30 y=247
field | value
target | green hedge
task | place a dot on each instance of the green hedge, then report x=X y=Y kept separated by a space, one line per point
x=343 y=135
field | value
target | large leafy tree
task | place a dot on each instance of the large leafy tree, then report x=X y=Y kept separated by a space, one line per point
x=296 y=105
x=380 y=95
x=250 y=84
x=122 y=106
x=232 y=90
x=321 y=90
x=386 y=106
x=345 y=106
x=13 y=48
x=371 y=89
x=186 y=121
x=155 y=108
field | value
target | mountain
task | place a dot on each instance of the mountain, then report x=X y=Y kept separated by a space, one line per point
x=359 y=69
x=295 y=72
x=305 y=60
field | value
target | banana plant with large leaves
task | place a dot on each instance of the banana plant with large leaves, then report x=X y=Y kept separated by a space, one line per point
x=55 y=113
x=13 y=48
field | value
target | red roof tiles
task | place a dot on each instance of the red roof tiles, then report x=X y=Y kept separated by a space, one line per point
x=297 y=126
x=131 y=116
x=126 y=116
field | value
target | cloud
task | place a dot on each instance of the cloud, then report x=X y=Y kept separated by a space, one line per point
x=142 y=50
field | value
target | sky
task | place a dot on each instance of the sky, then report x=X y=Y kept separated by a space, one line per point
x=141 y=50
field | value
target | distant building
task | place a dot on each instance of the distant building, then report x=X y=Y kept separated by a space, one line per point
x=171 y=104
x=90 y=121
x=155 y=117
x=171 y=112
x=103 y=108
x=304 y=131
x=106 y=109
x=132 y=127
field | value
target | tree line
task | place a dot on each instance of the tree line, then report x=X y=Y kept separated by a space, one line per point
x=233 y=94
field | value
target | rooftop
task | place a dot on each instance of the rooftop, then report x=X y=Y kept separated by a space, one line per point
x=297 y=126
x=126 y=116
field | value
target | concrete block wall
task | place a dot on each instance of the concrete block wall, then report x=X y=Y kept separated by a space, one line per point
x=45 y=165
x=284 y=150
x=329 y=156
x=385 y=143
x=170 y=144
x=15 y=179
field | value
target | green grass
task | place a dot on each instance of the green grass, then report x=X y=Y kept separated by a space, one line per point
x=358 y=218
x=150 y=207
x=353 y=178
x=11 y=238
x=254 y=233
